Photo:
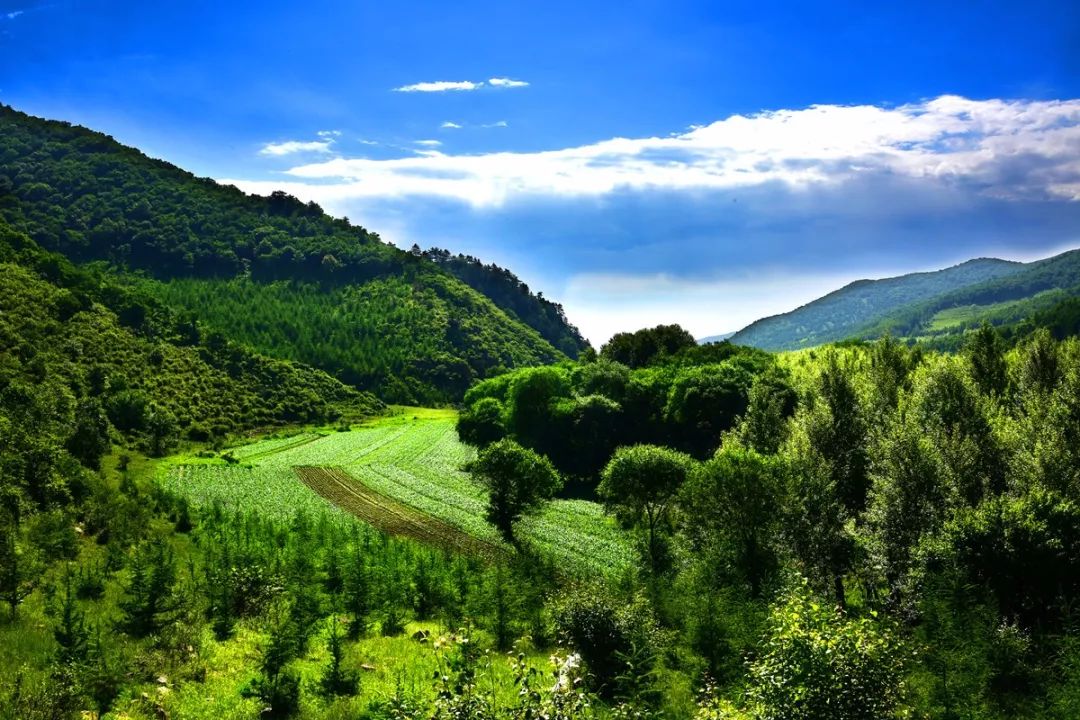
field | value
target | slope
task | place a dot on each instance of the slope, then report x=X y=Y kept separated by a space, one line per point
x=1037 y=288
x=82 y=194
x=119 y=365
x=843 y=313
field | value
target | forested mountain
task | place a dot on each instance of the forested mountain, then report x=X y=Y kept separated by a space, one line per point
x=1025 y=299
x=117 y=364
x=842 y=313
x=84 y=195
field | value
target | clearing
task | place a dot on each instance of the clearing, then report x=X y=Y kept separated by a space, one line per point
x=402 y=474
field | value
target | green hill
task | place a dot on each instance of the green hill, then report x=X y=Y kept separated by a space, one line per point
x=1014 y=301
x=220 y=253
x=849 y=311
x=118 y=364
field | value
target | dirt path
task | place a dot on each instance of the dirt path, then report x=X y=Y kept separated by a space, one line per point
x=389 y=515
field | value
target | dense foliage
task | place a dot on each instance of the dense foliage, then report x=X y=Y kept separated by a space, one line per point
x=123 y=364
x=512 y=295
x=84 y=195
x=877 y=530
x=578 y=414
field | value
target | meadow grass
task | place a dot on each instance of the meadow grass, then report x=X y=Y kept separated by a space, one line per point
x=412 y=455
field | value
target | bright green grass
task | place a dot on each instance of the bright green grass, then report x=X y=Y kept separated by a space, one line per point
x=391 y=662
x=413 y=456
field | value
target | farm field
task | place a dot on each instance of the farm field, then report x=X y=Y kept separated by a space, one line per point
x=401 y=473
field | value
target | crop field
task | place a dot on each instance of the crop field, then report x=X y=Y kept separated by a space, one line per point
x=401 y=474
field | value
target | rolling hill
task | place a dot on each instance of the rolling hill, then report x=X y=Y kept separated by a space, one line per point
x=841 y=314
x=1017 y=299
x=276 y=274
x=934 y=307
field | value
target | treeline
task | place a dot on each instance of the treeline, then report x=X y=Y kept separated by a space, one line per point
x=84 y=195
x=873 y=531
x=655 y=386
x=411 y=342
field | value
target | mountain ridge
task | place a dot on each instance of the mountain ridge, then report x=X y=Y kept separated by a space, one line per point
x=841 y=313
x=85 y=195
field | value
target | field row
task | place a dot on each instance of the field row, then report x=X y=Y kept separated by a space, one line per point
x=389 y=516
x=413 y=461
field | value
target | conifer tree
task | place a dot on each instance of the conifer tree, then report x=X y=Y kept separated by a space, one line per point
x=148 y=602
x=337 y=680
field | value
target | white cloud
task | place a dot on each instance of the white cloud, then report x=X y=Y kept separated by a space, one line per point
x=507 y=83
x=296 y=146
x=448 y=125
x=328 y=134
x=14 y=14
x=1006 y=149
x=428 y=143
x=440 y=86
x=496 y=124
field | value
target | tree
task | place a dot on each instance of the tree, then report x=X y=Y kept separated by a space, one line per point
x=646 y=346
x=148 y=604
x=336 y=680
x=705 y=401
x=771 y=403
x=946 y=406
x=517 y=480
x=70 y=630
x=90 y=438
x=907 y=499
x=161 y=426
x=731 y=506
x=528 y=405
x=481 y=424
x=819 y=664
x=640 y=482
x=837 y=430
x=18 y=569
x=986 y=352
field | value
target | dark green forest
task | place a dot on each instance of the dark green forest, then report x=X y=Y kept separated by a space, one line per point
x=861 y=531
x=84 y=195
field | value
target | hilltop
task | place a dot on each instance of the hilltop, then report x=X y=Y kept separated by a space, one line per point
x=272 y=272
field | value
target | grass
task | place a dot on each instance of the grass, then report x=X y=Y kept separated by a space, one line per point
x=386 y=665
x=412 y=456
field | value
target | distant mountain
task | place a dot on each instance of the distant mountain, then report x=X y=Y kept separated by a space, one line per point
x=1032 y=294
x=845 y=312
x=935 y=307
x=272 y=272
x=714 y=338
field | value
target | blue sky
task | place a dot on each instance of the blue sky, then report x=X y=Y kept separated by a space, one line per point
x=705 y=163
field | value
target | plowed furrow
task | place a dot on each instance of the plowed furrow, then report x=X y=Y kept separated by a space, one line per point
x=389 y=515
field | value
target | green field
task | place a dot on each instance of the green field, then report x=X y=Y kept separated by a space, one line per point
x=412 y=457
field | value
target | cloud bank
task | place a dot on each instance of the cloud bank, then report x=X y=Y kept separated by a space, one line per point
x=704 y=216
x=1008 y=148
